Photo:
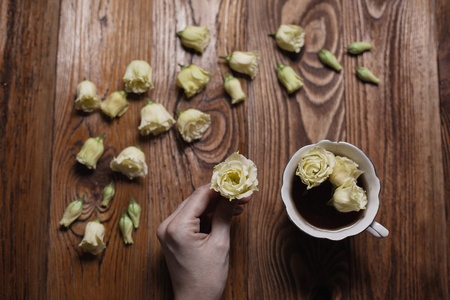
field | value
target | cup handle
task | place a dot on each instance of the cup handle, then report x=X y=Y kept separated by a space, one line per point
x=377 y=230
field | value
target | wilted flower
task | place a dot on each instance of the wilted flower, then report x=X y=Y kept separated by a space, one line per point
x=130 y=162
x=243 y=62
x=155 y=119
x=138 y=77
x=235 y=177
x=290 y=37
x=358 y=47
x=349 y=197
x=87 y=98
x=91 y=152
x=365 y=75
x=192 y=124
x=93 y=237
x=195 y=37
x=289 y=78
x=328 y=59
x=233 y=87
x=192 y=79
x=108 y=193
x=126 y=228
x=72 y=212
x=315 y=166
x=343 y=170
x=134 y=209
x=115 y=105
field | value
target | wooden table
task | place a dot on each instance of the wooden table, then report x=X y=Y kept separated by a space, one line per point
x=47 y=47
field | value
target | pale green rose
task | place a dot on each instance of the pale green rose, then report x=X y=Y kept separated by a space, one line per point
x=138 y=77
x=192 y=124
x=155 y=119
x=134 y=209
x=344 y=169
x=290 y=38
x=244 y=62
x=349 y=197
x=130 y=162
x=91 y=152
x=315 y=166
x=233 y=87
x=108 y=194
x=72 y=212
x=126 y=228
x=115 y=105
x=235 y=178
x=192 y=79
x=195 y=37
x=291 y=81
x=93 y=237
x=87 y=99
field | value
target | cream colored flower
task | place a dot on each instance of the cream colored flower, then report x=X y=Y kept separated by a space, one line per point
x=233 y=87
x=192 y=124
x=93 y=237
x=155 y=119
x=244 y=62
x=138 y=77
x=115 y=105
x=290 y=38
x=315 y=166
x=235 y=177
x=195 y=37
x=291 y=81
x=349 y=197
x=130 y=162
x=126 y=228
x=91 y=152
x=134 y=209
x=344 y=169
x=192 y=79
x=87 y=98
x=72 y=212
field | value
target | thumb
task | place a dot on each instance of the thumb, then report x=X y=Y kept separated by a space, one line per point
x=221 y=221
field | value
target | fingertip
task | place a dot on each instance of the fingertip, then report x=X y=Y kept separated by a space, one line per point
x=238 y=210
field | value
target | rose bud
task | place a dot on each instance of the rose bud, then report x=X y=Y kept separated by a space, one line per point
x=126 y=228
x=233 y=87
x=315 y=166
x=115 y=105
x=290 y=37
x=328 y=59
x=358 y=47
x=108 y=194
x=130 y=162
x=192 y=79
x=93 y=237
x=235 y=177
x=91 y=152
x=134 y=209
x=155 y=119
x=192 y=124
x=243 y=62
x=365 y=75
x=195 y=37
x=138 y=77
x=72 y=212
x=349 y=197
x=291 y=81
x=87 y=98
x=344 y=169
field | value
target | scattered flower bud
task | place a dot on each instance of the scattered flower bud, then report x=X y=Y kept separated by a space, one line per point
x=192 y=79
x=134 y=209
x=195 y=37
x=93 y=237
x=344 y=169
x=126 y=228
x=130 y=162
x=155 y=119
x=358 y=47
x=91 y=152
x=115 y=105
x=138 y=77
x=328 y=59
x=235 y=178
x=243 y=62
x=290 y=37
x=108 y=194
x=192 y=124
x=365 y=75
x=291 y=81
x=87 y=98
x=315 y=166
x=72 y=212
x=349 y=197
x=233 y=87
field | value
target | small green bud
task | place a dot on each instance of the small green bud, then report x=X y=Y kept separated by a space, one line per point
x=135 y=212
x=328 y=59
x=108 y=194
x=358 y=47
x=233 y=87
x=365 y=75
x=72 y=212
x=126 y=228
x=291 y=81
x=91 y=152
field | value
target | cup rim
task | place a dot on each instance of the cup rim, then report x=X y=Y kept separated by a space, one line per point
x=341 y=233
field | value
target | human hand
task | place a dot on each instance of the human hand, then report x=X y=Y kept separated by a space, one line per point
x=197 y=261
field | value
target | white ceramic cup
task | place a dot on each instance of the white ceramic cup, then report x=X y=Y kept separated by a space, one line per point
x=367 y=222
